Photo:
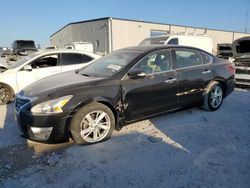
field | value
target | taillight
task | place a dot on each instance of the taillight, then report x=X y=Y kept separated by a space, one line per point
x=231 y=68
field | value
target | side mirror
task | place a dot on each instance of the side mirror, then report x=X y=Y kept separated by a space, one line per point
x=27 y=68
x=136 y=73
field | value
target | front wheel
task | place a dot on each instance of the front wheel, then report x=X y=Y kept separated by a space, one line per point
x=6 y=94
x=214 y=97
x=93 y=123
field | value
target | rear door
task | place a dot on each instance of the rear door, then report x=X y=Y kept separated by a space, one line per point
x=72 y=61
x=156 y=92
x=193 y=74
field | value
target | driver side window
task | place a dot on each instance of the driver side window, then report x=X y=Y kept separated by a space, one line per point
x=45 y=61
x=155 y=62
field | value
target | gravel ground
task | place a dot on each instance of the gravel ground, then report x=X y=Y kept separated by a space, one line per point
x=188 y=148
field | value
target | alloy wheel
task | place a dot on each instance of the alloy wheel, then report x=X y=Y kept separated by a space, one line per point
x=216 y=96
x=95 y=126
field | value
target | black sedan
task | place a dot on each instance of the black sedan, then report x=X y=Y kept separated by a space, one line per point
x=127 y=85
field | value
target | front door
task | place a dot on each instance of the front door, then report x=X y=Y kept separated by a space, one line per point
x=41 y=68
x=154 y=93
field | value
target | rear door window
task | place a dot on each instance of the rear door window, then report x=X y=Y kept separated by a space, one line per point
x=187 y=58
x=207 y=58
x=72 y=59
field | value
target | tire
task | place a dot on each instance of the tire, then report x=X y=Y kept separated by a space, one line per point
x=86 y=128
x=214 y=97
x=6 y=94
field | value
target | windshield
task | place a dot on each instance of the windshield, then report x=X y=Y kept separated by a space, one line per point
x=109 y=64
x=154 y=40
x=22 y=61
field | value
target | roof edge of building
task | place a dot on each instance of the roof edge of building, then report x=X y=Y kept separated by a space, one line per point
x=131 y=20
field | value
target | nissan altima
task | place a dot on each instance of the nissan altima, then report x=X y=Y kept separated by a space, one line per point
x=125 y=86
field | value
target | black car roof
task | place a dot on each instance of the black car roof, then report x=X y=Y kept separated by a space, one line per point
x=150 y=48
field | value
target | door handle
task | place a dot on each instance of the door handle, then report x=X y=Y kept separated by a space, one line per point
x=170 y=80
x=206 y=72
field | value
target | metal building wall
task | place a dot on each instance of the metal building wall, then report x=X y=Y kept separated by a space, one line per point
x=62 y=38
x=113 y=33
x=240 y=35
x=92 y=32
x=129 y=33
x=219 y=37
x=95 y=32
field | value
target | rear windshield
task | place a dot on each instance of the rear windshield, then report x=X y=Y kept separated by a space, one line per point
x=25 y=44
x=225 y=48
x=154 y=40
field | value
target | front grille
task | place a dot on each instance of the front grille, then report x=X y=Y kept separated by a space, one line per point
x=242 y=71
x=20 y=102
x=242 y=64
x=242 y=81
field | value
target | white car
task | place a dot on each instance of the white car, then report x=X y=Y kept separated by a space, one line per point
x=16 y=76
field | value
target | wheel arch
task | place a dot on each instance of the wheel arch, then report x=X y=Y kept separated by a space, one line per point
x=101 y=100
x=222 y=83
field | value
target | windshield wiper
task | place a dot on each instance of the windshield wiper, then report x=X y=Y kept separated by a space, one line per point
x=85 y=75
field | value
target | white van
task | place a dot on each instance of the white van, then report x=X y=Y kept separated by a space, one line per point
x=83 y=46
x=202 y=42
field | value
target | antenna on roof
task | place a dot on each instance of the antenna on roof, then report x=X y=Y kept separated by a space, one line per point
x=246 y=20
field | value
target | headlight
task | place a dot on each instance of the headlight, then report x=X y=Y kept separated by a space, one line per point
x=52 y=106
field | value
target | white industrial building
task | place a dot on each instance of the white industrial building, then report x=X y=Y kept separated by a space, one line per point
x=109 y=34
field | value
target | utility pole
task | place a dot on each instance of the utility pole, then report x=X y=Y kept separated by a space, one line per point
x=246 y=20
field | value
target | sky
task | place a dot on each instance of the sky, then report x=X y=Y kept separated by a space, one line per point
x=38 y=19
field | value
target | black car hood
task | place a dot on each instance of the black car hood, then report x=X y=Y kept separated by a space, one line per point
x=241 y=47
x=53 y=84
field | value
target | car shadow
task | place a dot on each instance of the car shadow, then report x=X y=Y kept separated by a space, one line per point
x=17 y=152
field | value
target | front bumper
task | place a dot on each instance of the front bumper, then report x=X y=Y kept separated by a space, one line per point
x=34 y=127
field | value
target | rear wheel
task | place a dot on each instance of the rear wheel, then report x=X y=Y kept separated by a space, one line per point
x=6 y=94
x=214 y=97
x=93 y=123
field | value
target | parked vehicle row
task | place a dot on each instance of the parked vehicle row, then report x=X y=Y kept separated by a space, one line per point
x=127 y=85
x=16 y=76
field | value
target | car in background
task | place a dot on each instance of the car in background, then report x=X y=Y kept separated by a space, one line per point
x=202 y=42
x=4 y=51
x=16 y=76
x=224 y=50
x=127 y=85
x=23 y=47
x=241 y=52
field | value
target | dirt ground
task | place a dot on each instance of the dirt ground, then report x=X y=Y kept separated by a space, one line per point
x=188 y=148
